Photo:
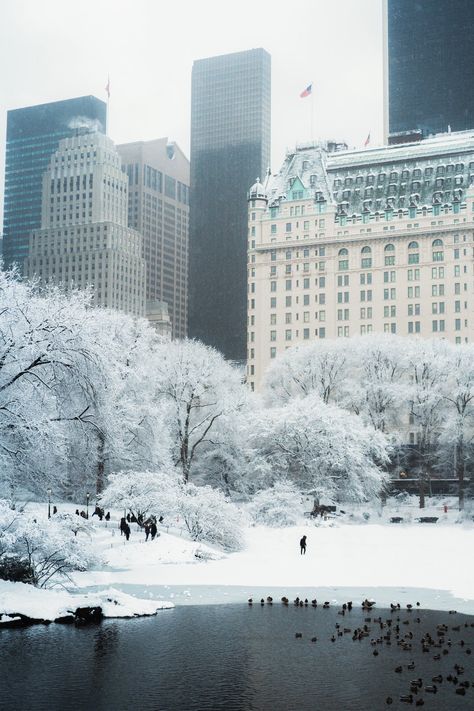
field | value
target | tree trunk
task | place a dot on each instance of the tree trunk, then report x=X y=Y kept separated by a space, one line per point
x=99 y=486
x=422 y=490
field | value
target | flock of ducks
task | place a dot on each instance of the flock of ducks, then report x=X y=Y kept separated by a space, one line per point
x=390 y=631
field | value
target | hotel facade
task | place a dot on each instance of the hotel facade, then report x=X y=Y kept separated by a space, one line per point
x=344 y=243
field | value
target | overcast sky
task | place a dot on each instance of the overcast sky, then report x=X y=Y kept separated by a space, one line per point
x=57 y=49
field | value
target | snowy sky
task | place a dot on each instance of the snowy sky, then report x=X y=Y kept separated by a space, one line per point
x=57 y=49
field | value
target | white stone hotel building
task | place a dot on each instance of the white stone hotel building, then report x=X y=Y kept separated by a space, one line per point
x=352 y=242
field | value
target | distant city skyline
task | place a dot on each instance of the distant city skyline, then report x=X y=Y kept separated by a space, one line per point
x=150 y=82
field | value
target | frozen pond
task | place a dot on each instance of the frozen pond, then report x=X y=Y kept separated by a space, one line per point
x=232 y=658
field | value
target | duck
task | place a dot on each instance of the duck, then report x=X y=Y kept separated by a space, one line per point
x=262 y=601
x=461 y=691
x=431 y=689
x=389 y=700
x=306 y=602
x=269 y=600
x=314 y=602
x=298 y=635
x=333 y=639
x=314 y=639
x=399 y=669
x=419 y=702
x=250 y=601
x=375 y=653
x=407 y=698
x=468 y=651
x=438 y=679
x=285 y=600
x=409 y=606
x=437 y=657
x=417 y=682
x=326 y=605
x=411 y=666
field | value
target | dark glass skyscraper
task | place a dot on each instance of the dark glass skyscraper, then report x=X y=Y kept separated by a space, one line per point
x=230 y=148
x=429 y=65
x=33 y=134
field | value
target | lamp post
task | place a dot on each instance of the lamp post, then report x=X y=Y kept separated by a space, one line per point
x=49 y=503
x=87 y=504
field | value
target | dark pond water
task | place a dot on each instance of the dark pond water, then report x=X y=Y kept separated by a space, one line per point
x=229 y=658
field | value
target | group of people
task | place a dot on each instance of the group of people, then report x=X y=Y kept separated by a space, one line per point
x=149 y=525
x=97 y=512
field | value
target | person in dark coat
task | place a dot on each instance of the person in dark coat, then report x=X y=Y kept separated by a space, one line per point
x=160 y=520
x=153 y=531
x=127 y=531
x=122 y=526
x=303 y=545
x=107 y=516
x=55 y=510
x=128 y=518
x=147 y=531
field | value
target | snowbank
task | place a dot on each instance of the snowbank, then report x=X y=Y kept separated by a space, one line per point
x=49 y=605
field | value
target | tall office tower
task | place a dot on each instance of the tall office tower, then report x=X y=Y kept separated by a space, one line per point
x=350 y=243
x=33 y=134
x=429 y=57
x=84 y=237
x=230 y=146
x=158 y=175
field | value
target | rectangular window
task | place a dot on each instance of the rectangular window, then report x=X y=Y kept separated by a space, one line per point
x=457 y=324
x=288 y=285
x=273 y=286
x=273 y=335
x=306 y=333
x=287 y=301
x=273 y=352
x=288 y=227
x=366 y=263
x=273 y=319
x=273 y=229
x=306 y=300
x=273 y=302
x=288 y=334
x=306 y=283
x=413 y=258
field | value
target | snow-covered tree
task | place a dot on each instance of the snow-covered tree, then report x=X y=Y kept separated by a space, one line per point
x=323 y=449
x=317 y=367
x=280 y=505
x=197 y=388
x=142 y=493
x=46 y=551
x=210 y=517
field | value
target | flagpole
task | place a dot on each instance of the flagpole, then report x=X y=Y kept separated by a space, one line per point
x=312 y=114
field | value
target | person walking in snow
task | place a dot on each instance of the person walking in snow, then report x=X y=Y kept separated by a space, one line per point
x=153 y=531
x=147 y=532
x=127 y=531
x=123 y=524
x=303 y=545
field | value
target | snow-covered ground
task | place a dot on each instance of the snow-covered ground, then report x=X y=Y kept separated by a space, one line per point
x=346 y=557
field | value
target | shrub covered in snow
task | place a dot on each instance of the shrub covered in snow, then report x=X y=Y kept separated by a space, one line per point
x=142 y=493
x=40 y=552
x=210 y=517
x=280 y=505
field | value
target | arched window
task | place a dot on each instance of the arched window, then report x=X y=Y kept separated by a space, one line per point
x=389 y=258
x=366 y=260
x=437 y=243
x=413 y=245
x=343 y=255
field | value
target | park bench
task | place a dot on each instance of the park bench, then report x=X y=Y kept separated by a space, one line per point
x=427 y=519
x=396 y=519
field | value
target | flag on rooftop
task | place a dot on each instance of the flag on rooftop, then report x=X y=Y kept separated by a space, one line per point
x=107 y=87
x=307 y=91
x=367 y=140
